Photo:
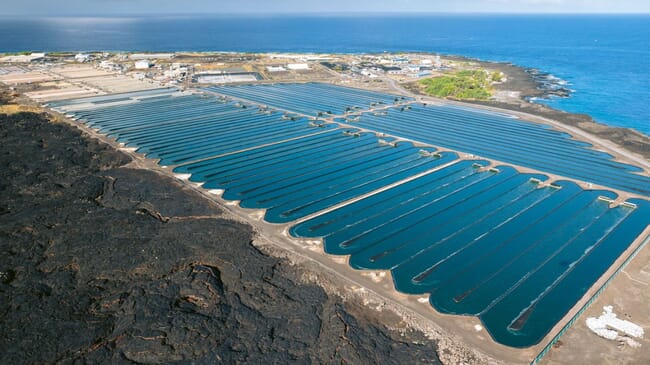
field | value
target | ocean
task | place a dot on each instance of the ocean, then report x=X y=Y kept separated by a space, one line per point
x=605 y=59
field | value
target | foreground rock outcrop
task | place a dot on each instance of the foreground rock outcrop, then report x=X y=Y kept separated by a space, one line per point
x=106 y=264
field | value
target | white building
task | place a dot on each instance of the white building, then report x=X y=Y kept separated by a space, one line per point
x=438 y=62
x=298 y=66
x=413 y=68
x=82 y=57
x=108 y=65
x=142 y=64
x=275 y=68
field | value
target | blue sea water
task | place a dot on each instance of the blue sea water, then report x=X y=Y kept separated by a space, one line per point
x=604 y=58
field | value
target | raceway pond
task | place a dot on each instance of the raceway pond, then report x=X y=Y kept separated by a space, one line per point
x=480 y=240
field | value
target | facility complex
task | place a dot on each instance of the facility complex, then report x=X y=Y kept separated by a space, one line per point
x=433 y=194
x=481 y=213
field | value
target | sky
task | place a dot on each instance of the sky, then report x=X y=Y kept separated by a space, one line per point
x=140 y=7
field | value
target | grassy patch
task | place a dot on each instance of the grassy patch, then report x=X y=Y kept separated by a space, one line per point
x=468 y=84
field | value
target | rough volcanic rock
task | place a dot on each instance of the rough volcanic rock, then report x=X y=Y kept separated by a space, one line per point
x=106 y=264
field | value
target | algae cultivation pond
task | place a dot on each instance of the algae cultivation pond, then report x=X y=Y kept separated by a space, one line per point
x=403 y=187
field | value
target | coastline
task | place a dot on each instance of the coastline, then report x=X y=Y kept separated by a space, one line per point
x=524 y=84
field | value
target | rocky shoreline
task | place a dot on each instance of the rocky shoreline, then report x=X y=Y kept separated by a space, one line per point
x=105 y=263
x=549 y=85
x=530 y=84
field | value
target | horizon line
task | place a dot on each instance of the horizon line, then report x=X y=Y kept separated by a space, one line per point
x=319 y=14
